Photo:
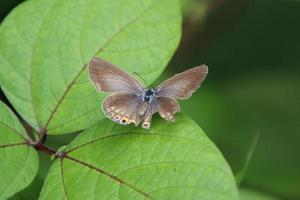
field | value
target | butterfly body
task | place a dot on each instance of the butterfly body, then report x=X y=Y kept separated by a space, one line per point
x=130 y=102
x=148 y=95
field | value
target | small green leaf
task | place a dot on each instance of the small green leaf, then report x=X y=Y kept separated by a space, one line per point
x=169 y=161
x=45 y=46
x=239 y=176
x=18 y=161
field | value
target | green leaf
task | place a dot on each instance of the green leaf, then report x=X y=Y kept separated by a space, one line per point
x=18 y=161
x=246 y=194
x=169 y=161
x=45 y=46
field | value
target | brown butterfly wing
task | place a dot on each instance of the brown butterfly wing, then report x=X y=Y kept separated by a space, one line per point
x=108 y=78
x=182 y=85
x=122 y=108
x=167 y=107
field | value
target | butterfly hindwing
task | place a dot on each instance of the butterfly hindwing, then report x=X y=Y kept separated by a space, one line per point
x=147 y=117
x=122 y=108
x=167 y=107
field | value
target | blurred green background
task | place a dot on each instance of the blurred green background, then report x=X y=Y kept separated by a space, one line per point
x=252 y=48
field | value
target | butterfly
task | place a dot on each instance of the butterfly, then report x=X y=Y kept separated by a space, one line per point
x=130 y=102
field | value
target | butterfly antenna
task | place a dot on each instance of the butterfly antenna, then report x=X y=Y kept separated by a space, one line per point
x=140 y=78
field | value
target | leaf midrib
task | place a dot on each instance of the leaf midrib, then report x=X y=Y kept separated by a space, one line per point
x=117 y=176
x=101 y=171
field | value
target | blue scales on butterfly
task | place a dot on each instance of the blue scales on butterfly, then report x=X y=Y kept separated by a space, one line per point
x=148 y=95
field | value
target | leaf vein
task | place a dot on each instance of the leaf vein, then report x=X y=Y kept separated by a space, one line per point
x=115 y=178
x=172 y=162
x=63 y=180
x=129 y=133
x=12 y=145
x=13 y=129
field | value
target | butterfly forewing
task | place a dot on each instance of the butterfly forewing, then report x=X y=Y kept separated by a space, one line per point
x=109 y=78
x=182 y=85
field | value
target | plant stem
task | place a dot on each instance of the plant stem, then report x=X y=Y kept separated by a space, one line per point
x=40 y=143
x=43 y=148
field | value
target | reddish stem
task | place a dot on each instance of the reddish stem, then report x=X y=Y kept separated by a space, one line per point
x=43 y=148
